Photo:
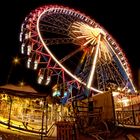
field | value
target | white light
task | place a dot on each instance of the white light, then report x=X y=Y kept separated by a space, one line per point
x=26 y=18
x=29 y=48
x=23 y=45
x=122 y=58
x=115 y=93
x=76 y=31
x=20 y=37
x=83 y=36
x=65 y=93
x=125 y=101
x=119 y=53
x=129 y=90
x=119 y=89
x=40 y=78
x=113 y=43
x=30 y=19
x=48 y=80
x=26 y=36
x=41 y=103
x=93 y=64
x=34 y=15
x=109 y=38
x=22 y=48
x=22 y=27
x=56 y=93
x=90 y=40
x=27 y=26
x=28 y=62
x=35 y=64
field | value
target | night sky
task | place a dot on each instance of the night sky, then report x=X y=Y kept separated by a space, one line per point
x=121 y=20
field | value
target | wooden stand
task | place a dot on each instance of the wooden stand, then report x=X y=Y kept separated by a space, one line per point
x=66 y=131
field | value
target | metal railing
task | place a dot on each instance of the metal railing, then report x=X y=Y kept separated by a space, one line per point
x=128 y=117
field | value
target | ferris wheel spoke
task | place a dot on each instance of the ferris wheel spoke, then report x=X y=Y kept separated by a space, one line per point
x=70 y=55
x=64 y=19
x=70 y=17
x=117 y=75
x=91 y=75
x=100 y=76
x=114 y=53
x=109 y=71
x=55 y=21
x=52 y=29
x=52 y=41
x=122 y=64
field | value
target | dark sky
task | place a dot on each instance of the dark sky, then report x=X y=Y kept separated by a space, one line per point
x=121 y=20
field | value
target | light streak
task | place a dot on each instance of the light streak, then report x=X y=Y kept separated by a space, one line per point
x=88 y=41
x=94 y=63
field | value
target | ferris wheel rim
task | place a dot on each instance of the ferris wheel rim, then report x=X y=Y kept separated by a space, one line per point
x=86 y=19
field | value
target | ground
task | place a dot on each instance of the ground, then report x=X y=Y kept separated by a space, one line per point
x=118 y=133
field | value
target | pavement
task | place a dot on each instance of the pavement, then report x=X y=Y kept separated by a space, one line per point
x=118 y=134
x=12 y=134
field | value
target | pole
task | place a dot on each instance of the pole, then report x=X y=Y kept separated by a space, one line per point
x=13 y=63
x=133 y=113
x=42 y=125
x=46 y=108
x=9 y=74
x=9 y=117
x=113 y=108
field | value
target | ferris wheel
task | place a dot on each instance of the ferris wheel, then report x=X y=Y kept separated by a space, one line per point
x=73 y=52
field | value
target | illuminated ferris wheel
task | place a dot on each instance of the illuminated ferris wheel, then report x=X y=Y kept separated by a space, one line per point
x=72 y=50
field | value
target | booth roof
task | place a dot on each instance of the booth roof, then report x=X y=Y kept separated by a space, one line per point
x=25 y=90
